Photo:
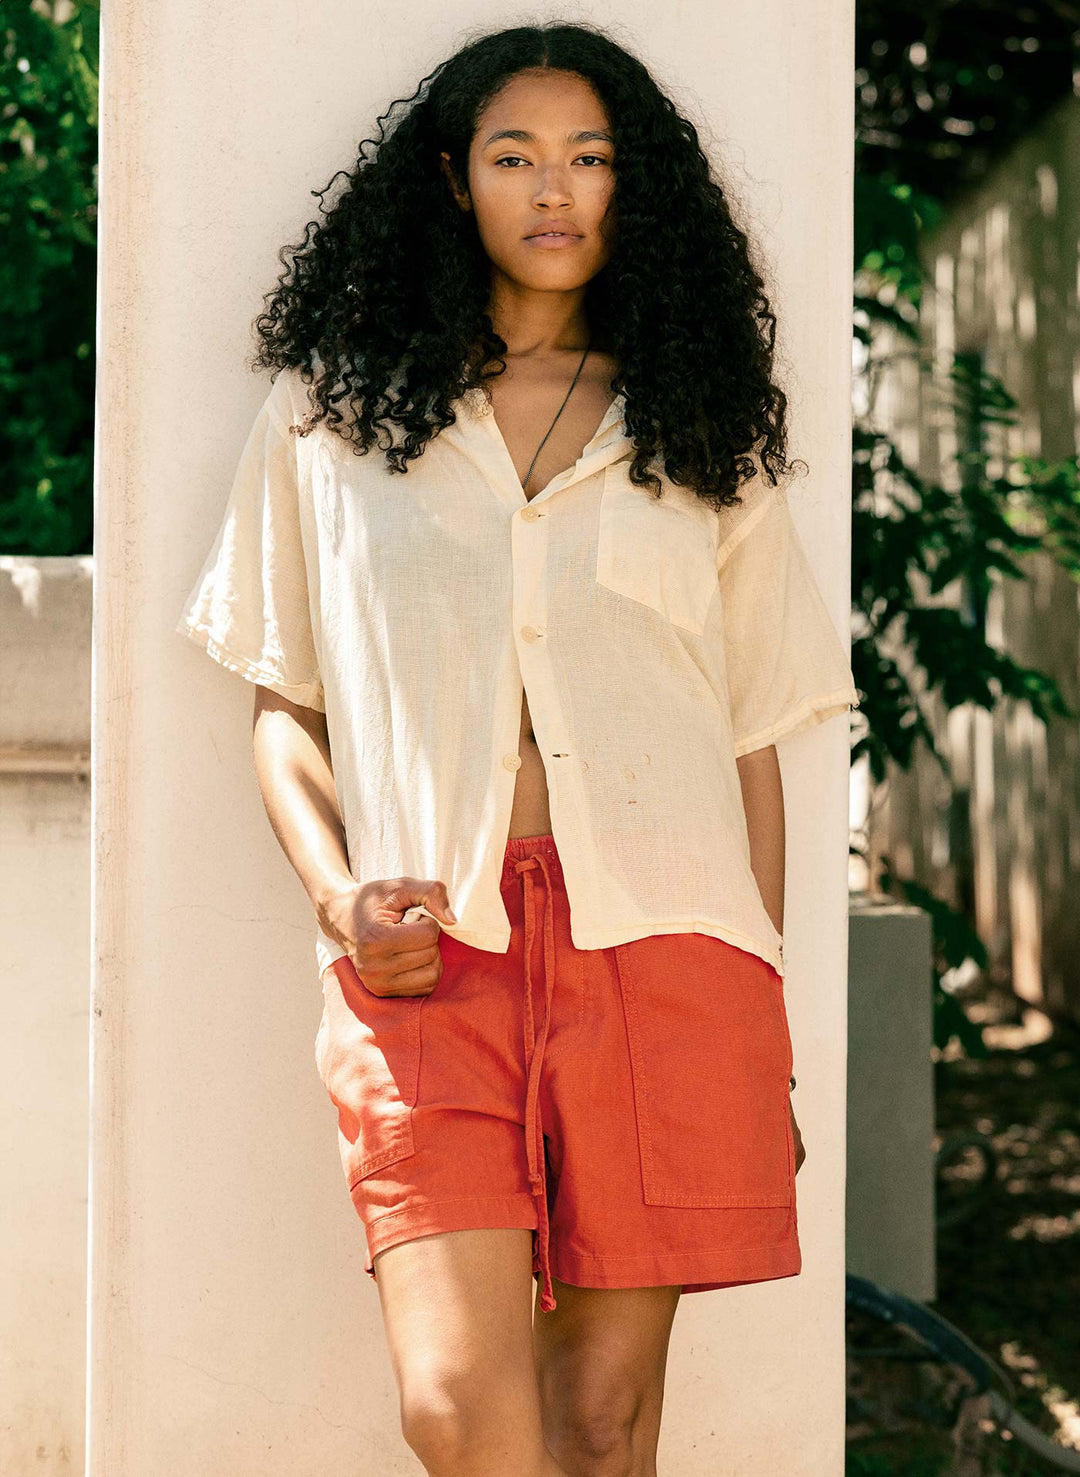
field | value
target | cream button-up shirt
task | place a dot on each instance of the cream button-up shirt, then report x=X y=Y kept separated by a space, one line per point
x=656 y=640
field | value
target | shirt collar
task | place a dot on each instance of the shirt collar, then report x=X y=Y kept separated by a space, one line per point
x=609 y=442
x=481 y=439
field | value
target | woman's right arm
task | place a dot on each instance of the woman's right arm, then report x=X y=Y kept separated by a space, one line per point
x=294 y=769
x=296 y=781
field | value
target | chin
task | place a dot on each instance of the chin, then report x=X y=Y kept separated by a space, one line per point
x=546 y=268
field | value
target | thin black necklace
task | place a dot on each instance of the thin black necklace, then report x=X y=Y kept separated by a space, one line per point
x=562 y=407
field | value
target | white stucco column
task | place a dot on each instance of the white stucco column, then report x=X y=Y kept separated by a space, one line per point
x=232 y=1332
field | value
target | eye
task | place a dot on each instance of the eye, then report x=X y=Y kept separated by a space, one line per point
x=517 y=158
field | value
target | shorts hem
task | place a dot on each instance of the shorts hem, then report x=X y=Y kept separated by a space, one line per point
x=693 y=1271
x=464 y=1213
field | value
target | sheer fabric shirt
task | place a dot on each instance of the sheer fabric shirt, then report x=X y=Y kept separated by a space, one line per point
x=657 y=640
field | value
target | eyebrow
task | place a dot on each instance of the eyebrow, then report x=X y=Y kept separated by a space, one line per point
x=522 y=136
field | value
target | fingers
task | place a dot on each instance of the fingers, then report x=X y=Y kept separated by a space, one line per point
x=418 y=910
x=398 y=951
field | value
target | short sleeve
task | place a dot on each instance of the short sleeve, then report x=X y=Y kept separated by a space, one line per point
x=250 y=607
x=787 y=668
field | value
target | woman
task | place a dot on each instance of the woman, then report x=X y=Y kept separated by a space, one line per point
x=509 y=559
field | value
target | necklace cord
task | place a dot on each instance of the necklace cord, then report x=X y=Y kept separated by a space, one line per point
x=559 y=412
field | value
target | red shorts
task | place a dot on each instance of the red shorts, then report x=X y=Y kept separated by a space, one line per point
x=628 y=1104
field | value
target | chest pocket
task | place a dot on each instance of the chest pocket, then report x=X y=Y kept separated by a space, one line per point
x=661 y=553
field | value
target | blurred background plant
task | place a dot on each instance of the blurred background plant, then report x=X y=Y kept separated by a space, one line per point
x=945 y=93
x=942 y=90
x=48 y=220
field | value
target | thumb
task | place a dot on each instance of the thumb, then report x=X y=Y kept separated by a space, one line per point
x=439 y=903
x=433 y=902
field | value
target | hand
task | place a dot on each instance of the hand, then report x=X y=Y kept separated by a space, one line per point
x=800 y=1152
x=390 y=957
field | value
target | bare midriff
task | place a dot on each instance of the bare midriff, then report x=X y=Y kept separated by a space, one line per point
x=524 y=400
x=530 y=815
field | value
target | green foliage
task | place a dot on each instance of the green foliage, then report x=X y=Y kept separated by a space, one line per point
x=889 y=218
x=910 y=540
x=48 y=215
x=944 y=87
x=913 y=539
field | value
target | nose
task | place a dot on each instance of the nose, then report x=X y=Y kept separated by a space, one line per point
x=554 y=187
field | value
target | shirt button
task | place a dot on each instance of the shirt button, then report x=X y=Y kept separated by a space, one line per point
x=530 y=514
x=511 y=761
x=530 y=633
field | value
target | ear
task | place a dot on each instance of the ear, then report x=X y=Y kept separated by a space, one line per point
x=461 y=196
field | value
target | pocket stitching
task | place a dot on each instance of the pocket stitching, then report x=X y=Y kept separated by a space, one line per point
x=401 y=1142
x=653 y=1190
x=401 y=1146
x=603 y=572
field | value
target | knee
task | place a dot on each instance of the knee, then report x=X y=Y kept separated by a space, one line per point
x=443 y=1422
x=437 y=1428
x=595 y=1430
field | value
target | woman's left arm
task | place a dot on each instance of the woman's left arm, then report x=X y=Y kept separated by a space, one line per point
x=763 y=802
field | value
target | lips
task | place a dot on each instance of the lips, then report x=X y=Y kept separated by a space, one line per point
x=552 y=231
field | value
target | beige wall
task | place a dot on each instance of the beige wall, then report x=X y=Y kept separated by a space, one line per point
x=45 y=607
x=231 y=1328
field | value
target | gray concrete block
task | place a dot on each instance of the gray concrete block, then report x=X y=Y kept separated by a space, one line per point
x=890 y=1112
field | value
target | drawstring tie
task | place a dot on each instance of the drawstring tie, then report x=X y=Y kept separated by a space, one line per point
x=534 y=1056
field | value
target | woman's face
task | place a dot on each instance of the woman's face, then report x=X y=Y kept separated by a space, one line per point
x=542 y=159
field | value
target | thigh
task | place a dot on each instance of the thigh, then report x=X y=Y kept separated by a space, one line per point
x=601 y=1357
x=457 y=1309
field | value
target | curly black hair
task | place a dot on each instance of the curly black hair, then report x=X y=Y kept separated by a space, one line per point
x=383 y=305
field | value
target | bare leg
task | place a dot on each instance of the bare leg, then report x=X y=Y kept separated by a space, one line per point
x=457 y=1307
x=601 y=1358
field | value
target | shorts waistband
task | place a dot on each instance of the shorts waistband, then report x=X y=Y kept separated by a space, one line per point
x=520 y=846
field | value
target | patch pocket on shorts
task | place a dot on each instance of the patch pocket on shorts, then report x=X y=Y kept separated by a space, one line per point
x=710 y=1057
x=367 y=1052
x=659 y=552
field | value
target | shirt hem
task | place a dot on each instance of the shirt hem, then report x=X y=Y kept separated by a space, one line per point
x=305 y=694
x=607 y=939
x=630 y=932
x=811 y=711
x=500 y=943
